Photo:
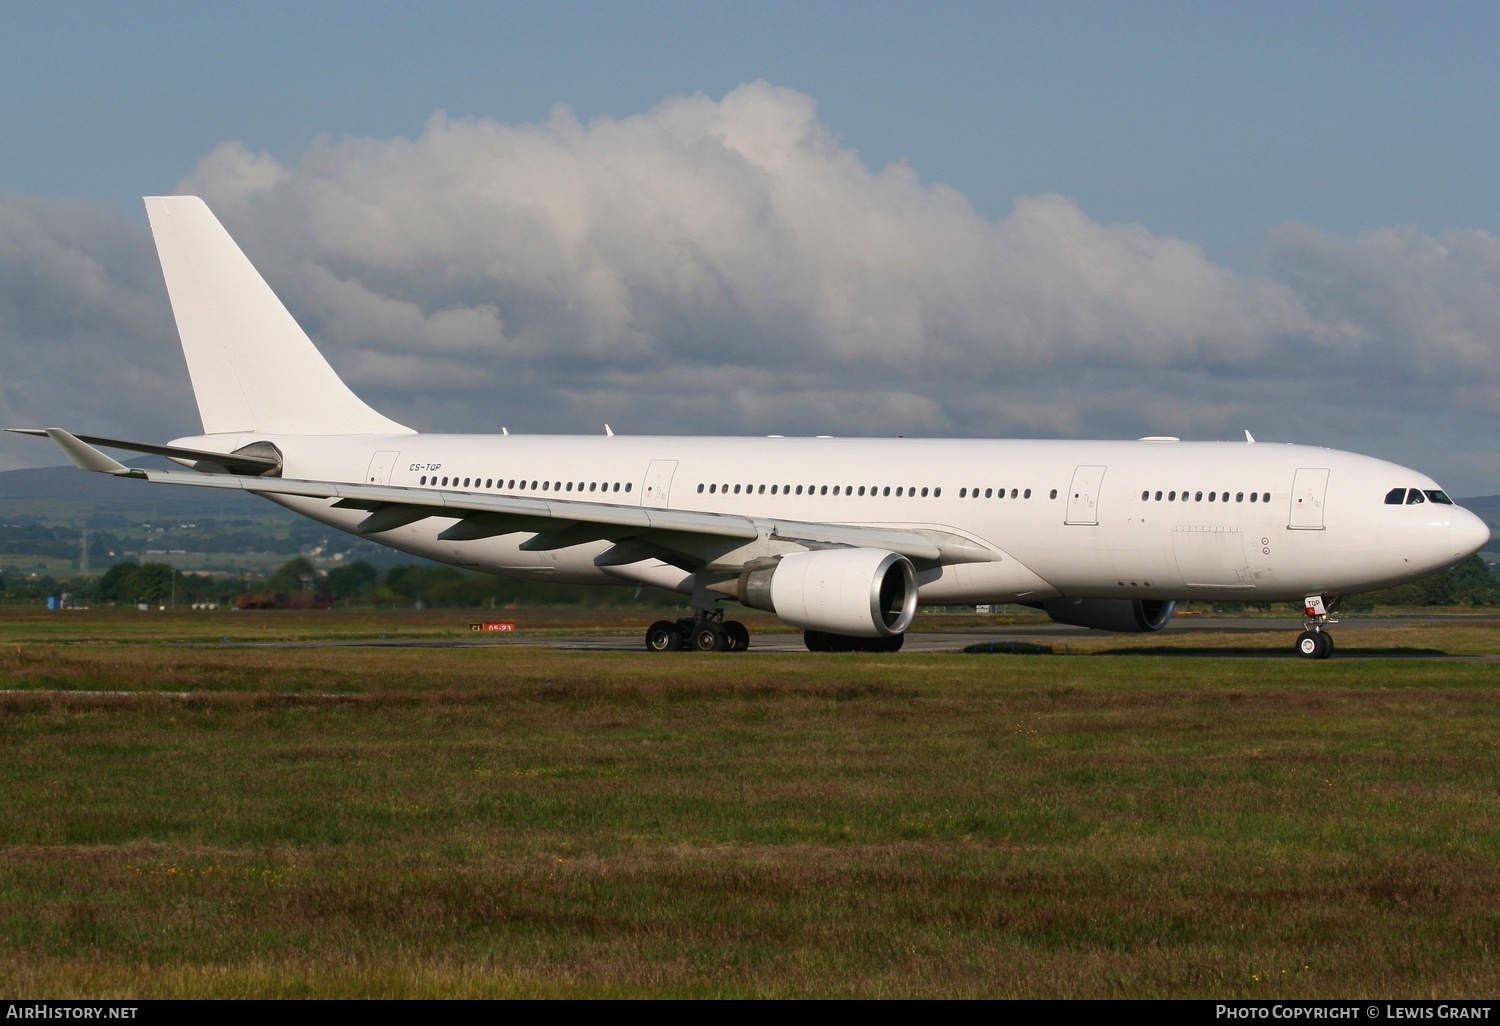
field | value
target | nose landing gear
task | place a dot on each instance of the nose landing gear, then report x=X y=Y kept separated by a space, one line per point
x=1315 y=642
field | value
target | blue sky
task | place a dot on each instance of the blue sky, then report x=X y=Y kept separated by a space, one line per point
x=1212 y=122
x=1293 y=143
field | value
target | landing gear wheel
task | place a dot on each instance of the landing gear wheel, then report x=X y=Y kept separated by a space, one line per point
x=710 y=639
x=1314 y=645
x=823 y=641
x=663 y=636
x=739 y=637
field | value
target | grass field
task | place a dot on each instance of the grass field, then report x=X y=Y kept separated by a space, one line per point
x=185 y=817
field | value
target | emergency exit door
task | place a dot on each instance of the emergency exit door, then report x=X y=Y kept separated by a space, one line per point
x=658 y=484
x=1309 y=492
x=1083 y=496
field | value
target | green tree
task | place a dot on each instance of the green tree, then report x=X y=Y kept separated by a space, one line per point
x=295 y=575
x=1470 y=583
x=120 y=583
x=126 y=582
x=353 y=583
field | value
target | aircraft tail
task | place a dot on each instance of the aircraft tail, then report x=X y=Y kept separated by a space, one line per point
x=252 y=367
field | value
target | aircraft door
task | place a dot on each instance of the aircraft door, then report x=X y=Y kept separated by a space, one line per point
x=1309 y=490
x=658 y=484
x=380 y=467
x=1083 y=496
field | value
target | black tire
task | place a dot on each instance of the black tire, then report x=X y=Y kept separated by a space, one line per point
x=739 y=637
x=823 y=641
x=710 y=639
x=1327 y=640
x=663 y=636
x=1310 y=645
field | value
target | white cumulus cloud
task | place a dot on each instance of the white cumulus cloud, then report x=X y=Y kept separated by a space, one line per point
x=728 y=266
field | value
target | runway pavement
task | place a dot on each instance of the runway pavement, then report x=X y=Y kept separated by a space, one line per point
x=1357 y=637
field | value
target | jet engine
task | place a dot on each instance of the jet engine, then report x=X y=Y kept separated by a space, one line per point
x=862 y=593
x=1127 y=616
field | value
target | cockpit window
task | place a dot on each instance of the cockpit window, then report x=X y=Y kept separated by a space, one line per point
x=1433 y=495
x=1414 y=497
x=1395 y=497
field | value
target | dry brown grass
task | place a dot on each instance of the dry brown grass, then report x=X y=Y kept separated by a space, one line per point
x=528 y=822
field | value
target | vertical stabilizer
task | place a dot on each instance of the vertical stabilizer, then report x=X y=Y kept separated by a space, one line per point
x=253 y=368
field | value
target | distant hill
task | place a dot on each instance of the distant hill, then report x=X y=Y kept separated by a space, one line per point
x=72 y=496
x=43 y=512
x=59 y=483
x=1487 y=508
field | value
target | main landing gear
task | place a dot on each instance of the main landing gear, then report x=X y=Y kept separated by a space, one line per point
x=1315 y=642
x=705 y=632
x=822 y=641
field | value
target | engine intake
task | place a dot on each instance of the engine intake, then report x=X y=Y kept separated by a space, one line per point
x=863 y=593
x=1127 y=616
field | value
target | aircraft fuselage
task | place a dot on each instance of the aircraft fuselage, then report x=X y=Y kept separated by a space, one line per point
x=1098 y=519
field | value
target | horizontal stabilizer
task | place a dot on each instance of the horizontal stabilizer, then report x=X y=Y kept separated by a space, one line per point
x=83 y=455
x=234 y=463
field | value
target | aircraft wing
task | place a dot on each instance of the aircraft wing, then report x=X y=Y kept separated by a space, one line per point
x=687 y=538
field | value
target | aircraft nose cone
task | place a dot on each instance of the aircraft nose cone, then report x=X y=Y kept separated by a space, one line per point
x=1470 y=534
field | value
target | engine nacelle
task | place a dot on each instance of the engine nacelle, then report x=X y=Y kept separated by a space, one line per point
x=1128 y=616
x=862 y=593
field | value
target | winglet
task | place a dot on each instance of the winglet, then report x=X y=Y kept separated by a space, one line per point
x=83 y=455
x=1249 y=438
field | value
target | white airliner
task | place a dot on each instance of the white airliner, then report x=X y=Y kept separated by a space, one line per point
x=841 y=537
